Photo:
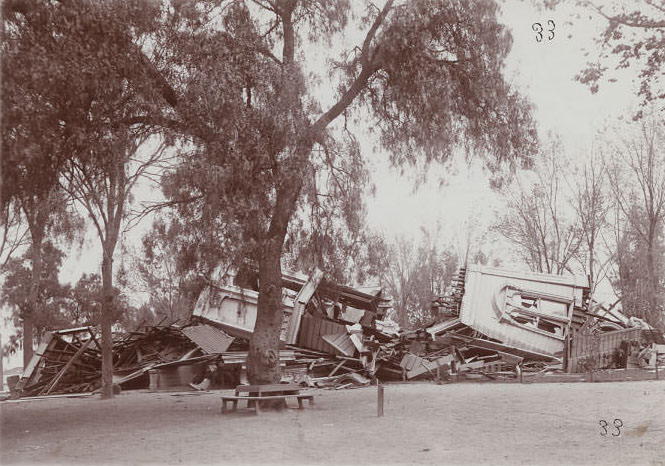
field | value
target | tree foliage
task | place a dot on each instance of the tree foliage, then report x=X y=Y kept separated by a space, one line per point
x=59 y=305
x=170 y=269
x=14 y=233
x=414 y=275
x=427 y=75
x=61 y=53
x=633 y=37
x=35 y=137
x=259 y=151
x=47 y=310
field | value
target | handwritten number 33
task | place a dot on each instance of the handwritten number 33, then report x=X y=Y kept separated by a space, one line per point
x=618 y=424
x=538 y=29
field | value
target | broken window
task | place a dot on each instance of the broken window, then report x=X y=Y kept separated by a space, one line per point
x=536 y=311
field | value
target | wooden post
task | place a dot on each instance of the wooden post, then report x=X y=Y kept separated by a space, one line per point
x=379 y=408
x=656 y=363
x=2 y=374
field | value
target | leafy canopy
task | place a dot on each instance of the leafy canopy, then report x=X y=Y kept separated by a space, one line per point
x=427 y=77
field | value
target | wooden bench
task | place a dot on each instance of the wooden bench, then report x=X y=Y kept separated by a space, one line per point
x=255 y=393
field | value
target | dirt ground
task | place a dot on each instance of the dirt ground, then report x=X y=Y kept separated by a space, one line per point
x=424 y=423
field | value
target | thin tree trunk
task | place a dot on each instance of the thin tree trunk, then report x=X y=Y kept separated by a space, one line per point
x=33 y=295
x=107 y=322
x=652 y=313
x=592 y=277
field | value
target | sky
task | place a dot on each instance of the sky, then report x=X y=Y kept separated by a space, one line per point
x=542 y=71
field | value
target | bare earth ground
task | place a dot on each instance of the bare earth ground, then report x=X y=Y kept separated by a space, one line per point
x=463 y=423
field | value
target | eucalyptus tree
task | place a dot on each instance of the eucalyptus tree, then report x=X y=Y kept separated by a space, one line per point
x=231 y=80
x=426 y=75
x=633 y=37
x=75 y=81
x=35 y=141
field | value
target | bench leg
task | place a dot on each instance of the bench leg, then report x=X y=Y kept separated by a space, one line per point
x=235 y=405
x=311 y=401
x=223 y=406
x=257 y=407
x=300 y=406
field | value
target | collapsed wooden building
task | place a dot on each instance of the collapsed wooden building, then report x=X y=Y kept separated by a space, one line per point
x=495 y=323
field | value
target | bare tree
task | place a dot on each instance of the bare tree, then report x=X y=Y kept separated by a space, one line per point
x=637 y=176
x=535 y=222
x=415 y=274
x=592 y=203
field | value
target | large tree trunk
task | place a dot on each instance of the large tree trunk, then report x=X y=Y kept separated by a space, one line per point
x=107 y=322
x=263 y=358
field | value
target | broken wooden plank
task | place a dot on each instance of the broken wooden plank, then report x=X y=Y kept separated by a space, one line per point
x=49 y=388
x=415 y=365
x=337 y=367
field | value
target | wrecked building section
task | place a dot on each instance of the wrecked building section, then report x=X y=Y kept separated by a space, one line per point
x=67 y=361
x=540 y=318
x=329 y=326
x=496 y=324
x=525 y=310
x=212 y=348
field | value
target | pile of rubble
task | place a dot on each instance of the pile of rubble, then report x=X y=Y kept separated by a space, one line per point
x=495 y=324
x=67 y=361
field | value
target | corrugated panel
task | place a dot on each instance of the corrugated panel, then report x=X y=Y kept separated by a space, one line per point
x=478 y=310
x=210 y=339
x=311 y=330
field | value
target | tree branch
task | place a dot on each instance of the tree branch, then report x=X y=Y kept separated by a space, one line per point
x=624 y=21
x=359 y=83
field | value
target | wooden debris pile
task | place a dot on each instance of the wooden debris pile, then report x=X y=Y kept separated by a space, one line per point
x=495 y=324
x=135 y=353
x=67 y=361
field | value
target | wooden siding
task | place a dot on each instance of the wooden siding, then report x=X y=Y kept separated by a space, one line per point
x=313 y=328
x=608 y=343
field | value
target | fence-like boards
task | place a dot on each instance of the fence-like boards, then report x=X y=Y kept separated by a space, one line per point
x=600 y=350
